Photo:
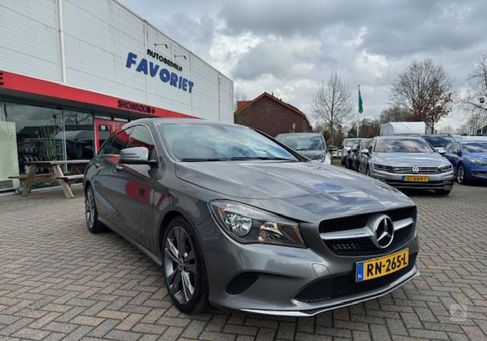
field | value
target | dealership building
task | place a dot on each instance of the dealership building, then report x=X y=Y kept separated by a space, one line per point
x=73 y=71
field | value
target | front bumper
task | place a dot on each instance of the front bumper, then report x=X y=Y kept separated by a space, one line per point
x=477 y=172
x=267 y=279
x=436 y=181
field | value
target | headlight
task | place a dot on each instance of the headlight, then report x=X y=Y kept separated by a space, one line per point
x=445 y=169
x=383 y=168
x=479 y=161
x=247 y=224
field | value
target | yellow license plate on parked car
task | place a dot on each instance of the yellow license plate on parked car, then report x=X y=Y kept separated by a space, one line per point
x=378 y=267
x=416 y=178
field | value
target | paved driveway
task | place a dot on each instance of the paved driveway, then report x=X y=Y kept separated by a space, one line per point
x=57 y=281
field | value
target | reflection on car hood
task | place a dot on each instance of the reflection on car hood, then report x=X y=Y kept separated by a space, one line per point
x=410 y=159
x=306 y=186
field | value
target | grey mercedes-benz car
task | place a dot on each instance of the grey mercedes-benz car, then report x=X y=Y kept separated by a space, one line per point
x=238 y=220
x=408 y=162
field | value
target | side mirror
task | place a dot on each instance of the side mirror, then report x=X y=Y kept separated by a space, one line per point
x=135 y=156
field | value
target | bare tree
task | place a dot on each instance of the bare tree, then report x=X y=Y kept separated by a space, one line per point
x=395 y=113
x=475 y=100
x=424 y=90
x=332 y=103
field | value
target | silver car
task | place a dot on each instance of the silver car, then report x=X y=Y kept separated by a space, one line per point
x=409 y=162
x=237 y=220
x=311 y=145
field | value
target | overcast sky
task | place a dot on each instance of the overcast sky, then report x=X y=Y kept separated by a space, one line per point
x=290 y=47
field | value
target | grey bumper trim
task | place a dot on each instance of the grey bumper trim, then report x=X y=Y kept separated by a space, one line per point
x=342 y=302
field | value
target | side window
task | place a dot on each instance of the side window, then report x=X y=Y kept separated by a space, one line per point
x=142 y=137
x=371 y=146
x=115 y=143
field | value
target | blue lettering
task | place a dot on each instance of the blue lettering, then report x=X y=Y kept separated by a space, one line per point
x=185 y=84
x=190 y=83
x=174 y=79
x=142 y=67
x=165 y=75
x=131 y=58
x=153 y=68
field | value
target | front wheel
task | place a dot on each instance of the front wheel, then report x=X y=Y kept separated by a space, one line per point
x=461 y=178
x=183 y=267
x=91 y=213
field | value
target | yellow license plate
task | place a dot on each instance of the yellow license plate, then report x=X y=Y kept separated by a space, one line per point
x=414 y=178
x=378 y=267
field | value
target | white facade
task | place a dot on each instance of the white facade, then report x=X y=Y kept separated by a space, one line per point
x=87 y=45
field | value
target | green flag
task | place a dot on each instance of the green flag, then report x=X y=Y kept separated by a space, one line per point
x=360 y=102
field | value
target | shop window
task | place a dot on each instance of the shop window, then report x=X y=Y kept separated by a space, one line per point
x=38 y=133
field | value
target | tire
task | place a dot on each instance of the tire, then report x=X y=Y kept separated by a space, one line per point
x=91 y=213
x=183 y=267
x=461 y=177
x=442 y=191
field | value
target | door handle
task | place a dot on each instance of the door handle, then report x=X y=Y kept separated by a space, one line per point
x=118 y=168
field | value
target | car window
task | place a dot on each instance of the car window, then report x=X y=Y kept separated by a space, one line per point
x=142 y=137
x=207 y=142
x=403 y=145
x=476 y=147
x=439 y=141
x=302 y=142
x=115 y=143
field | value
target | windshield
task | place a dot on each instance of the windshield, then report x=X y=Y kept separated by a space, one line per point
x=206 y=142
x=439 y=141
x=364 y=143
x=350 y=142
x=402 y=146
x=476 y=147
x=302 y=142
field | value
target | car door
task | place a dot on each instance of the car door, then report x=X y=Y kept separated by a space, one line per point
x=105 y=179
x=136 y=186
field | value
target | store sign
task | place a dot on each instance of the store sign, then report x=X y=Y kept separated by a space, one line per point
x=123 y=104
x=155 y=70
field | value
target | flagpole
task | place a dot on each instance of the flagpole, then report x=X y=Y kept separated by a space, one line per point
x=358 y=114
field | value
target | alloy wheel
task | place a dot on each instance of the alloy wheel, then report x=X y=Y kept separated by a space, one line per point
x=180 y=264
x=460 y=174
x=90 y=208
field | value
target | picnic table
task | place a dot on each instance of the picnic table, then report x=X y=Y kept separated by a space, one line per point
x=55 y=173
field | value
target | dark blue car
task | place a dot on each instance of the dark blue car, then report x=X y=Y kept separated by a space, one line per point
x=469 y=159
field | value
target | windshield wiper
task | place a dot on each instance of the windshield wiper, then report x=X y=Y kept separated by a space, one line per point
x=203 y=159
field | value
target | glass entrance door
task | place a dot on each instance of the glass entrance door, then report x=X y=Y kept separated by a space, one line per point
x=103 y=129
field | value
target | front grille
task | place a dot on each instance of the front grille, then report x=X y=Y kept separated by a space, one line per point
x=345 y=285
x=364 y=246
x=360 y=220
x=421 y=170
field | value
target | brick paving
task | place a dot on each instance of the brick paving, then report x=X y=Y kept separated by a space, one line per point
x=59 y=282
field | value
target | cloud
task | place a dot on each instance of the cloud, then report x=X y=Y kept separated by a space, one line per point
x=290 y=47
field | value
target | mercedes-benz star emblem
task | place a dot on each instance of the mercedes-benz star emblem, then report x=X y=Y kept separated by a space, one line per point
x=383 y=230
x=415 y=169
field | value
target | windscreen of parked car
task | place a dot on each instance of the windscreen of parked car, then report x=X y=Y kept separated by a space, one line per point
x=300 y=142
x=402 y=146
x=476 y=147
x=439 y=141
x=206 y=142
x=350 y=142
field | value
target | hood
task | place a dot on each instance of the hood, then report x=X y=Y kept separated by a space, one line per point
x=313 y=154
x=410 y=159
x=305 y=187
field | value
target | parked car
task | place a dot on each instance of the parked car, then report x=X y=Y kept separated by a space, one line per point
x=469 y=159
x=409 y=162
x=439 y=141
x=362 y=154
x=311 y=145
x=240 y=221
x=347 y=145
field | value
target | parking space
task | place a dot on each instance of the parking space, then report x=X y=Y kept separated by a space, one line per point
x=57 y=281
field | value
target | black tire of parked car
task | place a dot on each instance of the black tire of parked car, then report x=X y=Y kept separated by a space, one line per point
x=199 y=299
x=461 y=179
x=91 y=213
